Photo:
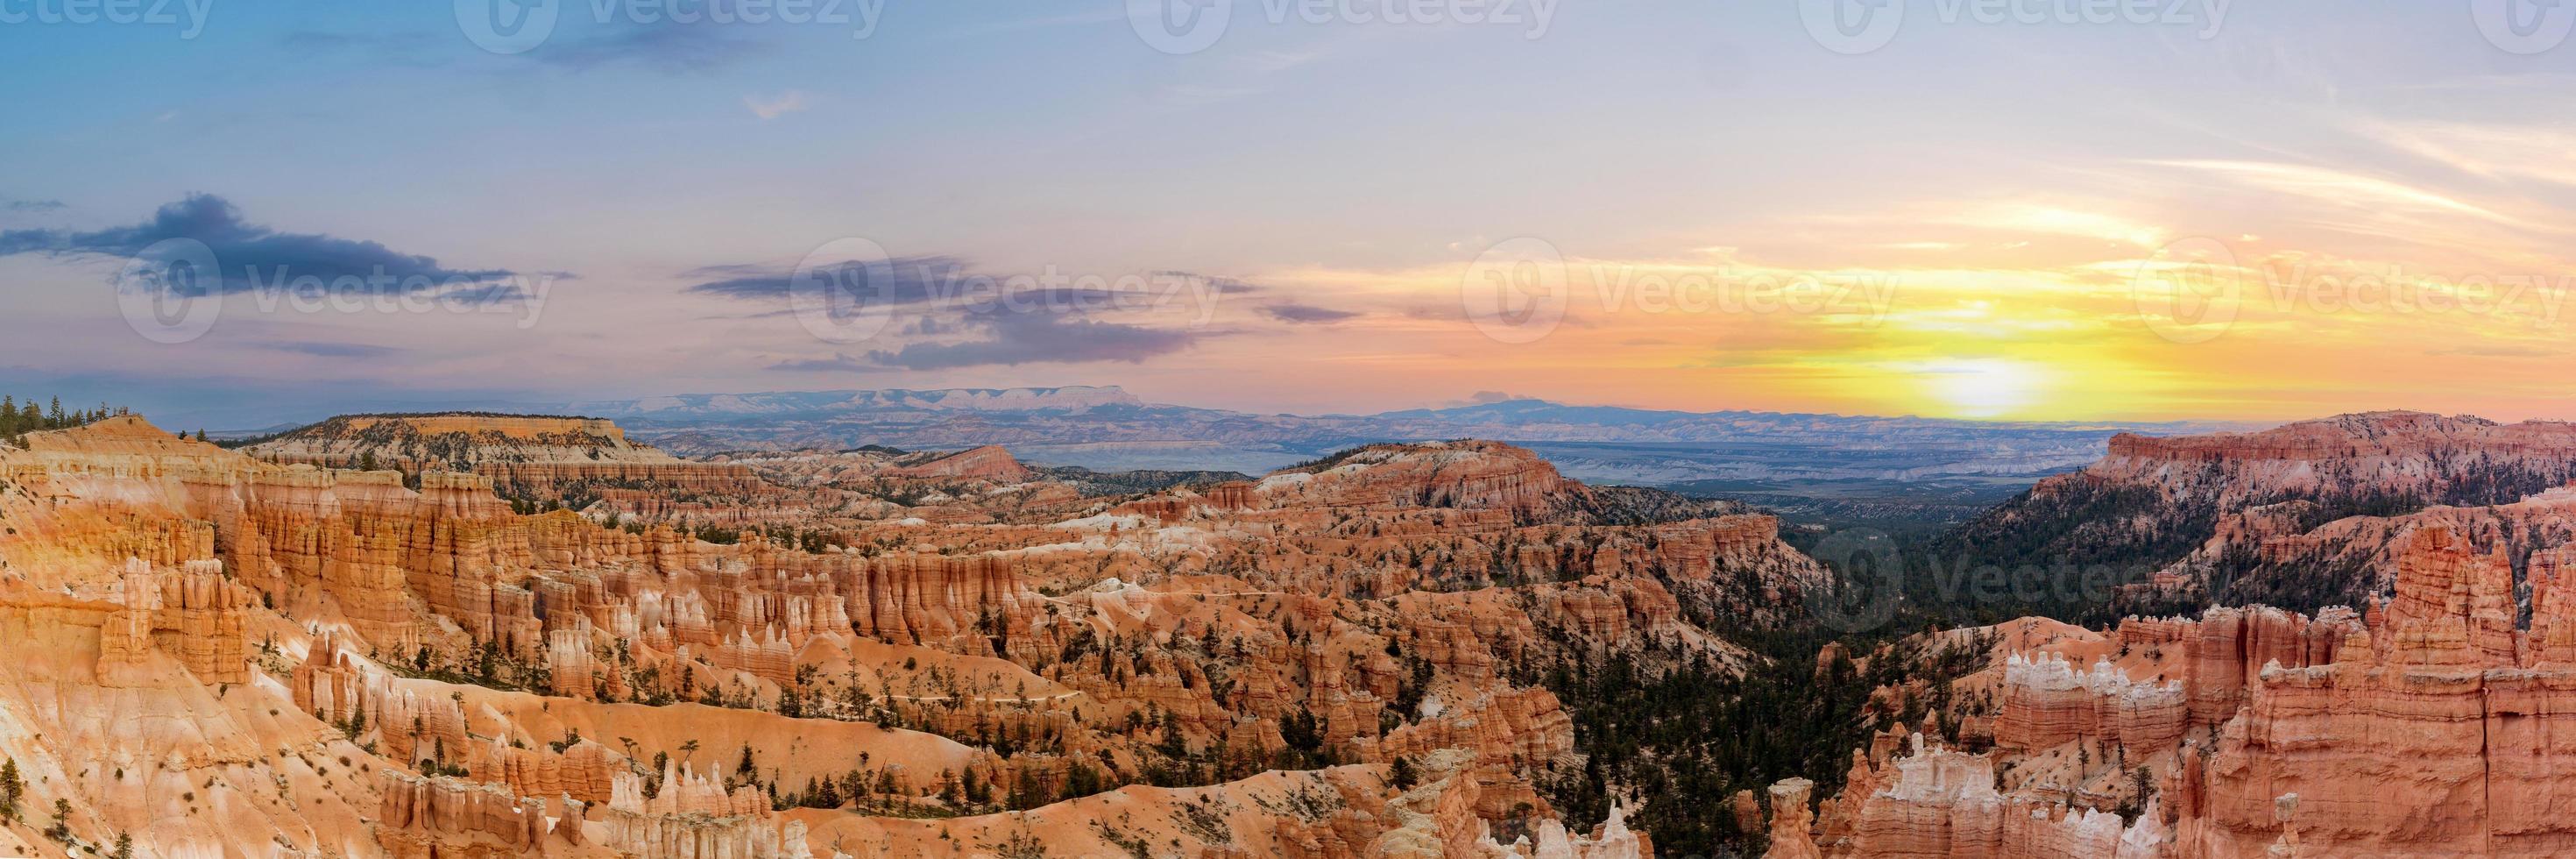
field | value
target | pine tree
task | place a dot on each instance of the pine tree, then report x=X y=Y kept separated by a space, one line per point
x=13 y=787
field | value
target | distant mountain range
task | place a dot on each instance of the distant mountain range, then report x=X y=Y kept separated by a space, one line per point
x=1779 y=458
x=825 y=404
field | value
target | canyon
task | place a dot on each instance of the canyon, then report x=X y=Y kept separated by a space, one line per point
x=2417 y=720
x=486 y=635
x=523 y=635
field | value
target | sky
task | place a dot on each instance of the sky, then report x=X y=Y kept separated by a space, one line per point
x=2009 y=209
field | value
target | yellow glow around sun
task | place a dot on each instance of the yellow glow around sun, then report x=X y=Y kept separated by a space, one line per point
x=1981 y=388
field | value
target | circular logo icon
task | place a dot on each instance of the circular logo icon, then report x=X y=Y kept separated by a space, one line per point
x=2523 y=26
x=1852 y=26
x=1515 y=291
x=1180 y=26
x=506 y=26
x=841 y=292
x=171 y=291
x=1869 y=575
x=2189 y=290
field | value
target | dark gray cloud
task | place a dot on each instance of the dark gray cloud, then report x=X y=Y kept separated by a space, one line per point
x=943 y=283
x=334 y=350
x=1011 y=339
x=249 y=255
x=1008 y=319
x=16 y=205
x=1306 y=314
x=916 y=280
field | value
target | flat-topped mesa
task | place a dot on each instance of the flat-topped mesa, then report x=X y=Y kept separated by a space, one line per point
x=2436 y=457
x=524 y=450
x=1467 y=475
x=2297 y=516
x=2363 y=436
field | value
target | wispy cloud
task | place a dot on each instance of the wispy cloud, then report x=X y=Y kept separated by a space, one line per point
x=334 y=350
x=1306 y=314
x=773 y=107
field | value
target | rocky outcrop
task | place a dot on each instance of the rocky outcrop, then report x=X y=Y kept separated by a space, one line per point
x=2047 y=702
x=2433 y=733
x=429 y=817
x=1468 y=475
x=2228 y=517
x=195 y=615
x=990 y=462
x=2431 y=724
x=1791 y=821
x=1940 y=802
x=529 y=453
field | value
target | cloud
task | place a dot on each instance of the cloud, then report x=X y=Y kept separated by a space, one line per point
x=248 y=254
x=784 y=103
x=940 y=282
x=334 y=350
x=1039 y=338
x=663 y=47
x=916 y=279
x=2339 y=187
x=1305 y=314
x=1224 y=285
x=15 y=205
x=840 y=362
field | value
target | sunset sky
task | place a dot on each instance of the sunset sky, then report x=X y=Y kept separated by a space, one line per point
x=2361 y=204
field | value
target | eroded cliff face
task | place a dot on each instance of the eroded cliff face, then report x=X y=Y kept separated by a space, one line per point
x=2427 y=725
x=2270 y=517
x=382 y=663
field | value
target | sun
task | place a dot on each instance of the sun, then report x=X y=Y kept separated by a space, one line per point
x=1981 y=388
